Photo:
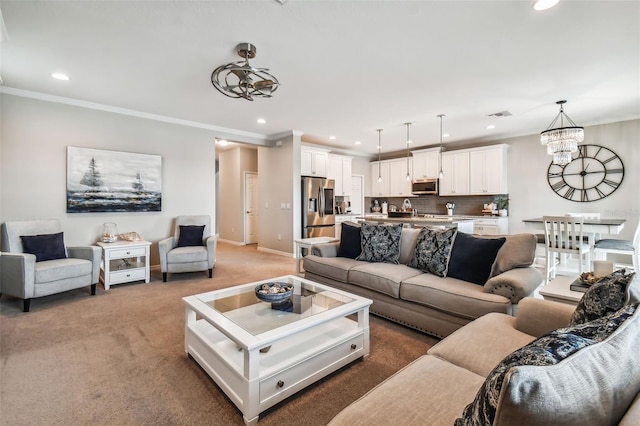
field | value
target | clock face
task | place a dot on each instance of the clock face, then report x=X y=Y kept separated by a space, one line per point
x=595 y=172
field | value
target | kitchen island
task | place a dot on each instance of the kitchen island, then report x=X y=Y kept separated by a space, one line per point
x=464 y=224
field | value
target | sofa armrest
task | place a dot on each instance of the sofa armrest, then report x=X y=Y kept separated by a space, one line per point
x=537 y=316
x=211 y=250
x=325 y=249
x=514 y=284
x=17 y=274
x=164 y=247
x=90 y=253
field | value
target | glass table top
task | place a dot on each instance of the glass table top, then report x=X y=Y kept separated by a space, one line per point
x=241 y=305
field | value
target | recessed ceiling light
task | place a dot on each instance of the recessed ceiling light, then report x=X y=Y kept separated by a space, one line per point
x=490 y=126
x=445 y=135
x=60 y=76
x=261 y=121
x=222 y=142
x=332 y=138
x=358 y=142
x=544 y=4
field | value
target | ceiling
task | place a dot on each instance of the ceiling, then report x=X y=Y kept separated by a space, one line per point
x=346 y=68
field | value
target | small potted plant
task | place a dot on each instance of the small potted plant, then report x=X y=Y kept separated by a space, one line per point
x=502 y=203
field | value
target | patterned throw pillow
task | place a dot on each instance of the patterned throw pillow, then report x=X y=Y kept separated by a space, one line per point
x=433 y=249
x=380 y=243
x=547 y=350
x=607 y=295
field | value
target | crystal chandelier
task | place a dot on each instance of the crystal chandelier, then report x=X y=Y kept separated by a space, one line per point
x=240 y=80
x=563 y=140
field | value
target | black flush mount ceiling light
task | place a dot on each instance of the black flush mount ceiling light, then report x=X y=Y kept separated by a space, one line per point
x=241 y=80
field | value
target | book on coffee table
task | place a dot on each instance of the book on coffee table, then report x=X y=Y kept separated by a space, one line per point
x=578 y=285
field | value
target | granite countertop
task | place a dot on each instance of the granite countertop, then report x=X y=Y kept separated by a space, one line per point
x=430 y=219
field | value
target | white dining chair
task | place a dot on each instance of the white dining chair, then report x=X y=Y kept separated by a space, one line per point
x=590 y=237
x=564 y=235
x=626 y=247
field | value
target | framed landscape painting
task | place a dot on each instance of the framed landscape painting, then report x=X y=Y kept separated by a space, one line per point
x=113 y=181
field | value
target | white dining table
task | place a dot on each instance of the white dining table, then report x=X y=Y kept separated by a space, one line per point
x=589 y=226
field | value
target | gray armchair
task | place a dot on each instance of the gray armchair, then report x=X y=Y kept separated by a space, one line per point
x=196 y=255
x=21 y=275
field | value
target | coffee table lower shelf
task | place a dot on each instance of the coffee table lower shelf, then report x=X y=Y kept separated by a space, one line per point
x=255 y=381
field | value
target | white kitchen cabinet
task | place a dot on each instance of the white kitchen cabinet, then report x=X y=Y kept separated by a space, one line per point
x=491 y=226
x=426 y=163
x=380 y=188
x=399 y=186
x=313 y=162
x=455 y=173
x=488 y=170
x=339 y=169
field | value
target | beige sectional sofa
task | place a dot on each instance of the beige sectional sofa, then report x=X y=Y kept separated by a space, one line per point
x=597 y=385
x=424 y=301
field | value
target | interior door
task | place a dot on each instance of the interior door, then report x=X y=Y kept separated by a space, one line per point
x=251 y=208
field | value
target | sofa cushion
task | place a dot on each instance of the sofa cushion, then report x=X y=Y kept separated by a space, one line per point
x=190 y=235
x=472 y=257
x=382 y=277
x=380 y=243
x=44 y=246
x=586 y=374
x=433 y=249
x=607 y=295
x=61 y=269
x=336 y=268
x=420 y=394
x=480 y=345
x=349 y=240
x=408 y=239
x=518 y=251
x=454 y=296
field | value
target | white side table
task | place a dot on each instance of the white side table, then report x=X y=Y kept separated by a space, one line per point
x=558 y=290
x=307 y=243
x=124 y=261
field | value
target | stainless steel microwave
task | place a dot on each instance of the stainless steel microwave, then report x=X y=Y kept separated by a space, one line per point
x=424 y=186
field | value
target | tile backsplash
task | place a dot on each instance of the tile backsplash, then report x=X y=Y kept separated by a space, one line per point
x=434 y=204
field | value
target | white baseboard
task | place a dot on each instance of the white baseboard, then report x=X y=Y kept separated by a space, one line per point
x=278 y=252
x=235 y=243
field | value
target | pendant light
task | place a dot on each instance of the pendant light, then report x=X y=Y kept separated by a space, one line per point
x=441 y=149
x=379 y=151
x=408 y=159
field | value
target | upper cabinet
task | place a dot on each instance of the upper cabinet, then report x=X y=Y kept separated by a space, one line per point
x=455 y=173
x=339 y=169
x=426 y=163
x=313 y=162
x=488 y=170
x=475 y=171
x=394 y=178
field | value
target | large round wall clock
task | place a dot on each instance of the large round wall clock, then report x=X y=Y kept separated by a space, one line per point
x=594 y=172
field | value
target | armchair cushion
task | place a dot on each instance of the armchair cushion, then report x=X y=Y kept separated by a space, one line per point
x=190 y=235
x=44 y=246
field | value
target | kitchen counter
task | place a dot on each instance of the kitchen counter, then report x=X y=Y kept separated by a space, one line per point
x=463 y=223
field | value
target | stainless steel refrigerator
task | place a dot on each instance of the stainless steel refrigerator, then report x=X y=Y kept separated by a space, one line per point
x=318 y=207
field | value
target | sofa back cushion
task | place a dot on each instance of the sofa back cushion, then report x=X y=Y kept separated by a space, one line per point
x=408 y=240
x=518 y=251
x=472 y=257
x=586 y=374
x=380 y=243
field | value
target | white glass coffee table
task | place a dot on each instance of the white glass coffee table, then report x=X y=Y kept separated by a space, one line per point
x=259 y=353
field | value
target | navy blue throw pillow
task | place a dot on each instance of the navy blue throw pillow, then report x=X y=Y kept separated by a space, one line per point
x=44 y=246
x=190 y=235
x=349 y=241
x=472 y=257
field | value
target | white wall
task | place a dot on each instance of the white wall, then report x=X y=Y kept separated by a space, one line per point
x=530 y=194
x=35 y=135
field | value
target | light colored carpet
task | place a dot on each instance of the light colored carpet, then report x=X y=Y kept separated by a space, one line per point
x=118 y=358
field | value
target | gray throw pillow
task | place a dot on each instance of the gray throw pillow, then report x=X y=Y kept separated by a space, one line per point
x=433 y=249
x=606 y=295
x=380 y=243
x=531 y=378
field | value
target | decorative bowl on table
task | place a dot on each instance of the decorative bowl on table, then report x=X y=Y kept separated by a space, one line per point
x=588 y=278
x=274 y=292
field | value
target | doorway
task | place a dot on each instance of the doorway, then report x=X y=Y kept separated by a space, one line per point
x=250 y=207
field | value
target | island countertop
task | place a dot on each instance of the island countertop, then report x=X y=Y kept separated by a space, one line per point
x=463 y=223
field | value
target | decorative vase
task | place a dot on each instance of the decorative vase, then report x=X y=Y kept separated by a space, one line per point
x=502 y=212
x=109 y=232
x=450 y=212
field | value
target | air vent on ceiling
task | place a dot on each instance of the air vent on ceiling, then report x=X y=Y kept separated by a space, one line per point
x=501 y=114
